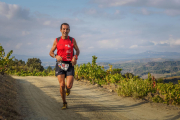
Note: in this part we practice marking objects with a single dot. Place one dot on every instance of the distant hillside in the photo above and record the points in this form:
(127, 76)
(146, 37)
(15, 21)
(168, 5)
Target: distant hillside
(153, 54)
(150, 56)
(145, 60)
(166, 67)
(103, 63)
(159, 67)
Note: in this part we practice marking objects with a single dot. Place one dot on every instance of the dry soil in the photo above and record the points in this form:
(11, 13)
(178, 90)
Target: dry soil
(39, 99)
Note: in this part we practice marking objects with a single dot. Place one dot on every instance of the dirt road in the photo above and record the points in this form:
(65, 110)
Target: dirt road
(39, 99)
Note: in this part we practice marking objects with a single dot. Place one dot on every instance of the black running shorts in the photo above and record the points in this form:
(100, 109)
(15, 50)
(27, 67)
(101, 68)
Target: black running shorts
(70, 70)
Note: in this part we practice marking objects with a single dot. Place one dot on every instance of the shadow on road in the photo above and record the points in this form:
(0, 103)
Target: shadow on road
(174, 118)
(84, 105)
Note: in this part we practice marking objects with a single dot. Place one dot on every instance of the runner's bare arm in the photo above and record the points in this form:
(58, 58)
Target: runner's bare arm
(76, 48)
(74, 61)
(51, 53)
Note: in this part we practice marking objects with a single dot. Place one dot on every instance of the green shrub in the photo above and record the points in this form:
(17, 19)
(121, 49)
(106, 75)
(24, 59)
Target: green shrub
(4, 60)
(160, 80)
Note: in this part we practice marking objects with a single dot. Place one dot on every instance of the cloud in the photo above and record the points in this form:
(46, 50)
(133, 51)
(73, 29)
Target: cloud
(133, 46)
(146, 43)
(18, 45)
(91, 11)
(117, 12)
(91, 47)
(163, 44)
(32, 33)
(93, 29)
(141, 44)
(171, 42)
(13, 11)
(24, 33)
(172, 12)
(112, 3)
(170, 4)
(100, 13)
(48, 46)
(143, 11)
(47, 23)
(113, 44)
(170, 7)
(175, 42)
(86, 35)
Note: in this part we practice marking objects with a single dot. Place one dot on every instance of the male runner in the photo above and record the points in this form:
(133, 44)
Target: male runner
(65, 60)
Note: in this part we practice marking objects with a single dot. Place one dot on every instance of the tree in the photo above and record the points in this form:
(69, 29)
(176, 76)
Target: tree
(49, 69)
(16, 62)
(21, 63)
(35, 63)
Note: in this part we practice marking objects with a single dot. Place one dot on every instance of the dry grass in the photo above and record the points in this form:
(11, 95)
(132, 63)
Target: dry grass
(8, 101)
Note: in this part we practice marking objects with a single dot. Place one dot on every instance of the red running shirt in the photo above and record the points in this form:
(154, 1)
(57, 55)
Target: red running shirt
(65, 48)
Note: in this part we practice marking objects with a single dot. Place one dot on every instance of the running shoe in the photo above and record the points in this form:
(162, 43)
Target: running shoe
(67, 92)
(64, 106)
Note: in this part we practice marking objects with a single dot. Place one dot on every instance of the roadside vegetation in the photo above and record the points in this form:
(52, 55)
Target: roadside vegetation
(14, 66)
(8, 90)
(129, 85)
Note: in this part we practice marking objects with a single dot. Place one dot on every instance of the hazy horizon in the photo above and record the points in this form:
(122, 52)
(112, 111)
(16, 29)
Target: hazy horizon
(111, 59)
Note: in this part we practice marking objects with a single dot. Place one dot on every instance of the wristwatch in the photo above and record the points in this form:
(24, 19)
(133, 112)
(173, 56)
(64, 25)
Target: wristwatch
(55, 55)
(76, 57)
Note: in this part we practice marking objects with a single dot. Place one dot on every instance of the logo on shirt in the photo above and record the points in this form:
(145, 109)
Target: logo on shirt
(68, 45)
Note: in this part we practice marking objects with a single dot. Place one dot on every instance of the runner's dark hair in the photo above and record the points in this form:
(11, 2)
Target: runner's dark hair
(64, 24)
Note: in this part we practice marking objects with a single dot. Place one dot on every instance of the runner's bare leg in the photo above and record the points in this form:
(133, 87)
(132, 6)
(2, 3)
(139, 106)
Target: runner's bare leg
(69, 81)
(61, 79)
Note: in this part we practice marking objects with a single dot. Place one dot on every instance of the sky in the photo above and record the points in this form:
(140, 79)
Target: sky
(100, 27)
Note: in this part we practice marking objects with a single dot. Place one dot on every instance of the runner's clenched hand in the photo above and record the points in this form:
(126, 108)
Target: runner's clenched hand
(59, 58)
(73, 61)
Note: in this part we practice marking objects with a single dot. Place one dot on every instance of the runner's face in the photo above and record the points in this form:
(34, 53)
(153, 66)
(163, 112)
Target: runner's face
(65, 30)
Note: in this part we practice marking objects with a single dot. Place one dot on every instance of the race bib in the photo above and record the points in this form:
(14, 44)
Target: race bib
(63, 66)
